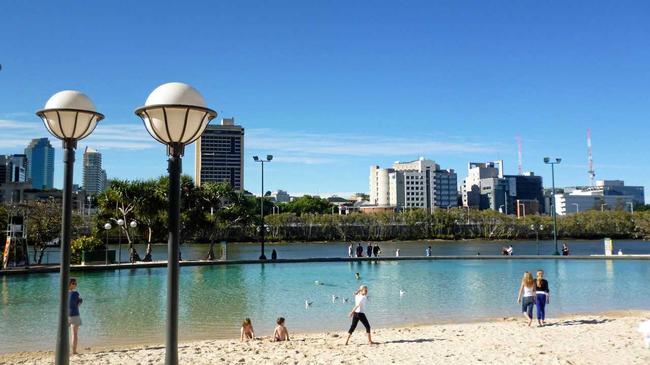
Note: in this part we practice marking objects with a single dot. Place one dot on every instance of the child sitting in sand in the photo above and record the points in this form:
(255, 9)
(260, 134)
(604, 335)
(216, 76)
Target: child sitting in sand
(281, 333)
(247, 331)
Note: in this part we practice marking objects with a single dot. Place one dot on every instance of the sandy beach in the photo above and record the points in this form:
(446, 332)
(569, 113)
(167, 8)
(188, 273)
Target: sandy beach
(607, 338)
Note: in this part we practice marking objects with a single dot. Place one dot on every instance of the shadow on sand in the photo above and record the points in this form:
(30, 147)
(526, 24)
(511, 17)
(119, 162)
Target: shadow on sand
(417, 340)
(578, 322)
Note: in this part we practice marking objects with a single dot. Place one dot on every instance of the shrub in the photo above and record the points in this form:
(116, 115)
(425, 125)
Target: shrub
(83, 243)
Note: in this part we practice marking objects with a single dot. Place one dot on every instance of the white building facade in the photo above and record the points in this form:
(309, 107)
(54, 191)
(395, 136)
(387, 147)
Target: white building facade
(415, 184)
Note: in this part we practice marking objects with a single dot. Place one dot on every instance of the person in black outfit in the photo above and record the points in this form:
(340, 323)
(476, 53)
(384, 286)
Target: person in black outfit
(543, 296)
(375, 250)
(369, 250)
(274, 255)
(565, 249)
(359, 250)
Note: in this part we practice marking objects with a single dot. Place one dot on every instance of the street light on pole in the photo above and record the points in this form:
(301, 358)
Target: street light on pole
(262, 161)
(556, 161)
(577, 207)
(175, 115)
(69, 116)
(602, 207)
(120, 223)
(107, 227)
(631, 206)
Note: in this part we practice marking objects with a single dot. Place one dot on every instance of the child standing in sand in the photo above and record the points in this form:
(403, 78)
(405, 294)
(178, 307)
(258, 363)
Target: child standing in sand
(247, 331)
(74, 318)
(281, 332)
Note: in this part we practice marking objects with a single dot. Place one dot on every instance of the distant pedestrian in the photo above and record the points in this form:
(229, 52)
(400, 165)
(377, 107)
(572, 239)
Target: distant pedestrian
(620, 252)
(427, 252)
(369, 250)
(565, 249)
(509, 250)
(350, 250)
(74, 300)
(274, 255)
(359, 250)
(376, 250)
(358, 313)
(526, 296)
(397, 252)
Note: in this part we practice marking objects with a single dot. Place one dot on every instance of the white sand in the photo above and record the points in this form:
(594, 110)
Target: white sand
(608, 338)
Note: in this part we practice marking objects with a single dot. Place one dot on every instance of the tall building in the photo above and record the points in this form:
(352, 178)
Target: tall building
(471, 190)
(17, 168)
(94, 177)
(3, 169)
(415, 184)
(40, 163)
(220, 154)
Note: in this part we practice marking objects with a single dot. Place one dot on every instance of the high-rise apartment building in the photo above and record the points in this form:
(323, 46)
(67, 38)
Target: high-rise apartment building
(220, 154)
(94, 177)
(3, 169)
(40, 163)
(415, 184)
(17, 168)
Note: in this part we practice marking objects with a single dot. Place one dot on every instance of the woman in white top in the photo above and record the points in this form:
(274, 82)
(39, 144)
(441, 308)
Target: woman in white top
(358, 313)
(527, 289)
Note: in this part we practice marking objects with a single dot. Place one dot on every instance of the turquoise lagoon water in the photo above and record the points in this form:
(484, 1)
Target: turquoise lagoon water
(126, 307)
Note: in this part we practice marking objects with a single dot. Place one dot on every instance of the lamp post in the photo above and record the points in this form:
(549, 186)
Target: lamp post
(631, 206)
(577, 207)
(602, 207)
(69, 116)
(133, 224)
(107, 227)
(120, 223)
(262, 161)
(536, 229)
(174, 114)
(556, 161)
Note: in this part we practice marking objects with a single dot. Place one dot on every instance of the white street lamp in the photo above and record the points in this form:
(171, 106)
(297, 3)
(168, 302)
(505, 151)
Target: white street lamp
(107, 227)
(175, 115)
(69, 116)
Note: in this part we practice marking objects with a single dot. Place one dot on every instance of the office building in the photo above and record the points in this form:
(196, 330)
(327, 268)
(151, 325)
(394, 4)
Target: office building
(471, 189)
(415, 184)
(94, 177)
(280, 196)
(40, 163)
(526, 192)
(17, 168)
(605, 195)
(220, 154)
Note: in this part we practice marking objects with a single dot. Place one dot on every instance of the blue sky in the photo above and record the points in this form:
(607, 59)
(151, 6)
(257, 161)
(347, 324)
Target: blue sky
(332, 87)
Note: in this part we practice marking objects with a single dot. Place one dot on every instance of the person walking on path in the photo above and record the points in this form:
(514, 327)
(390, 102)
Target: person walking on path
(358, 313)
(565, 249)
(359, 250)
(376, 250)
(350, 250)
(74, 317)
(427, 252)
(369, 250)
(526, 296)
(543, 297)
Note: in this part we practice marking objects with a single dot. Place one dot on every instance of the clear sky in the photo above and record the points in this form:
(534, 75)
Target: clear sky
(332, 87)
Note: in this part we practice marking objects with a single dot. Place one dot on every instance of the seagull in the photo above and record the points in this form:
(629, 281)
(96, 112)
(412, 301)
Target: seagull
(317, 282)
(345, 300)
(308, 303)
(334, 298)
(402, 292)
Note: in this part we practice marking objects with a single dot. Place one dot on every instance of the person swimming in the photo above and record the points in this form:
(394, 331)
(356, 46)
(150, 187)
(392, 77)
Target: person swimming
(357, 276)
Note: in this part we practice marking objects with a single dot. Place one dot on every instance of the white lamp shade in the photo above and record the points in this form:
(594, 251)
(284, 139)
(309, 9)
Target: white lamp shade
(120, 222)
(133, 224)
(107, 226)
(175, 113)
(70, 115)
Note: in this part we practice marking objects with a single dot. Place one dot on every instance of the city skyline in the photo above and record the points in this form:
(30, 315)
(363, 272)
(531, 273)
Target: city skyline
(330, 93)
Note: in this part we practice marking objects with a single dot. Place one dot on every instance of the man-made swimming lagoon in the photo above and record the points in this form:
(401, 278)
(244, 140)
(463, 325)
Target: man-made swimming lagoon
(127, 307)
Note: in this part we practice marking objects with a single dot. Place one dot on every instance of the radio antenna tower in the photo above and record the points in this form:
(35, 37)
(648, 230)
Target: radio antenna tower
(591, 172)
(519, 162)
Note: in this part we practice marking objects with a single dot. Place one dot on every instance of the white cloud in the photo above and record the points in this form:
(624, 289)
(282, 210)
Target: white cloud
(315, 148)
(133, 137)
